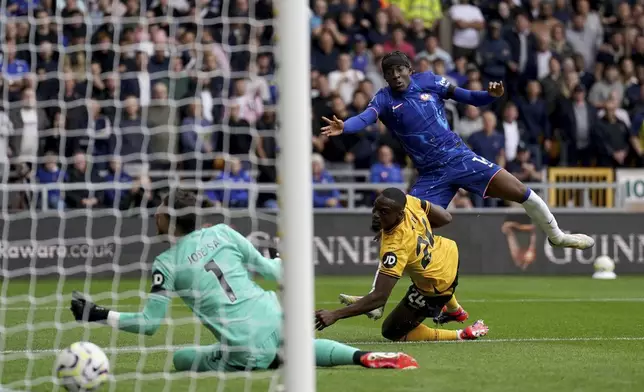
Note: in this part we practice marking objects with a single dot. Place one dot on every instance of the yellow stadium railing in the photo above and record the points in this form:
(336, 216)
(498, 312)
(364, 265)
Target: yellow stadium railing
(561, 196)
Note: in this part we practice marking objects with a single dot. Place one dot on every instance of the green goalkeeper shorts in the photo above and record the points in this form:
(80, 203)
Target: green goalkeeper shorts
(229, 358)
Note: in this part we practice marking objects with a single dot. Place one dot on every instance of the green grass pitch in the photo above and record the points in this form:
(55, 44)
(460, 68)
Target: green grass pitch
(546, 334)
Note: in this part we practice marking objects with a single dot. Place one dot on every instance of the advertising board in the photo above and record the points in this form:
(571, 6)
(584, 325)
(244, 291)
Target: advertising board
(489, 243)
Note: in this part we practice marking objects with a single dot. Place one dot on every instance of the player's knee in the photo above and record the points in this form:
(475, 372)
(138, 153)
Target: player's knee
(507, 187)
(390, 332)
(515, 188)
(183, 360)
(521, 189)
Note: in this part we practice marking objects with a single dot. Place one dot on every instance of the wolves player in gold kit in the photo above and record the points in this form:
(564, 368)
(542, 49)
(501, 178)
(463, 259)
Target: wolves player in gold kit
(408, 245)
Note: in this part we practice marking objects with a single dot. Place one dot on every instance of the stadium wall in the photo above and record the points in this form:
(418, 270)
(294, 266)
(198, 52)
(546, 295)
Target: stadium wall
(343, 243)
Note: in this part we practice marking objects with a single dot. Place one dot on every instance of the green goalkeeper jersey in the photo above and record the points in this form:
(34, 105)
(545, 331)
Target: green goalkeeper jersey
(210, 269)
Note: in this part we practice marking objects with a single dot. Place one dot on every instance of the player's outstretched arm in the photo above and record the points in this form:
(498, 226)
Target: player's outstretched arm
(354, 124)
(146, 322)
(374, 300)
(438, 216)
(477, 98)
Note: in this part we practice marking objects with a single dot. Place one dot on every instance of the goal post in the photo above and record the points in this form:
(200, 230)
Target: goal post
(296, 209)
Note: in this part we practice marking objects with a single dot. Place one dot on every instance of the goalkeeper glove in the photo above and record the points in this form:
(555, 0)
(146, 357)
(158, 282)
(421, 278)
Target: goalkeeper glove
(87, 311)
(273, 253)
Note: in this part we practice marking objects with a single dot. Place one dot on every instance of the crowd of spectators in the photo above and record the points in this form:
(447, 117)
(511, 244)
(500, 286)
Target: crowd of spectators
(573, 72)
(124, 94)
(129, 92)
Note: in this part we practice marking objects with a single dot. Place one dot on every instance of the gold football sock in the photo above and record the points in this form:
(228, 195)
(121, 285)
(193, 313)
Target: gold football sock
(424, 333)
(452, 305)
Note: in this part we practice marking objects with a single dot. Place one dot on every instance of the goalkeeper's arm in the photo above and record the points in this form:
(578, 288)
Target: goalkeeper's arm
(269, 269)
(146, 322)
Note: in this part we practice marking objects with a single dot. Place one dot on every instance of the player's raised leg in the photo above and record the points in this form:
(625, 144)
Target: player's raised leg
(331, 353)
(504, 185)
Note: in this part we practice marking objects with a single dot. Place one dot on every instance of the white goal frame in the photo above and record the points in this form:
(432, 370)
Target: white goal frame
(296, 194)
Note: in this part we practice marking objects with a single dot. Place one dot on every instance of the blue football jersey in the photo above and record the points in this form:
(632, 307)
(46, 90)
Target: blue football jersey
(417, 118)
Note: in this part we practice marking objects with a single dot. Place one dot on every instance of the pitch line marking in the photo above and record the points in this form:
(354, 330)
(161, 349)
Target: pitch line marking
(463, 301)
(150, 349)
(518, 340)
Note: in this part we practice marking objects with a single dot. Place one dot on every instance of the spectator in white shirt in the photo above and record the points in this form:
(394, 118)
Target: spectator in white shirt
(251, 107)
(345, 80)
(593, 20)
(584, 40)
(544, 54)
(143, 78)
(27, 121)
(512, 130)
(468, 23)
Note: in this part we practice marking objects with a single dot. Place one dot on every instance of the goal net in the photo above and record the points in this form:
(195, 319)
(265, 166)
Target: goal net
(107, 106)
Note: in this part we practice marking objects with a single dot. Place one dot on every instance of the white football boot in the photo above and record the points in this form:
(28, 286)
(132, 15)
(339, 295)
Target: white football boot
(576, 241)
(347, 300)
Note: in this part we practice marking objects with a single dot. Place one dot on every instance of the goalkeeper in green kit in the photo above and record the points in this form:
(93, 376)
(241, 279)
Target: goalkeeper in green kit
(210, 269)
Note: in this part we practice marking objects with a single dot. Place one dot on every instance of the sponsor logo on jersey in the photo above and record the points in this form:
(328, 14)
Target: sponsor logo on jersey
(389, 260)
(157, 282)
(157, 278)
(425, 97)
(443, 82)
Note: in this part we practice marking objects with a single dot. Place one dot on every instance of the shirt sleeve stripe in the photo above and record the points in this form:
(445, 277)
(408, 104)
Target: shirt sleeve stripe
(393, 275)
(425, 206)
(374, 109)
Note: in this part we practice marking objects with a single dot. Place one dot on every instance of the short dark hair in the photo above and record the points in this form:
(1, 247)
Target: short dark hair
(509, 105)
(522, 14)
(398, 27)
(396, 195)
(185, 205)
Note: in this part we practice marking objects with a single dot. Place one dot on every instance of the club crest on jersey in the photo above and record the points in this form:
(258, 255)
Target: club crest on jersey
(426, 97)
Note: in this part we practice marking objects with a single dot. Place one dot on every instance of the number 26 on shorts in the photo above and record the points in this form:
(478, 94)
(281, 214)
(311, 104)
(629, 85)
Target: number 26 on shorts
(483, 161)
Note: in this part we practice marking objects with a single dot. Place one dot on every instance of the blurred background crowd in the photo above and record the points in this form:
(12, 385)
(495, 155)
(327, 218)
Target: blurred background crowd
(133, 92)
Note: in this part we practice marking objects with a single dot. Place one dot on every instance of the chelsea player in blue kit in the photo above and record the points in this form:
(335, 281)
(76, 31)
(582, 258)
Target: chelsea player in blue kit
(211, 270)
(412, 108)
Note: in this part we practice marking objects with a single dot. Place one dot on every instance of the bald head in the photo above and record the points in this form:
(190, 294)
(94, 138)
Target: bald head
(395, 195)
(160, 91)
